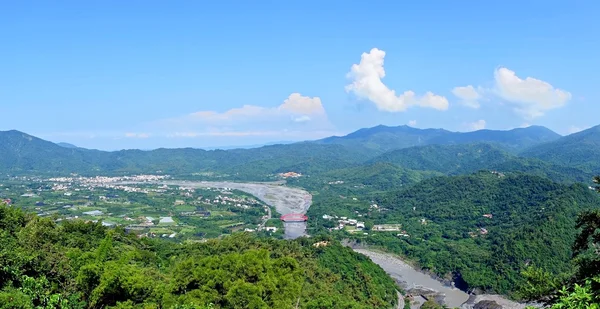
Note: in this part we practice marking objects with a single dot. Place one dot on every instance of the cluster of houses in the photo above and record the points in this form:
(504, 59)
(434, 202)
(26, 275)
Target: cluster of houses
(290, 175)
(343, 221)
(271, 229)
(89, 183)
(232, 201)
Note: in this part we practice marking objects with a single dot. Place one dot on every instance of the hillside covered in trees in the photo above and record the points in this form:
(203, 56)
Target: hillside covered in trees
(85, 265)
(480, 230)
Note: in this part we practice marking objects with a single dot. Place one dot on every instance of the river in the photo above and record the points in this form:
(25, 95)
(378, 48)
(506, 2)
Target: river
(286, 200)
(292, 200)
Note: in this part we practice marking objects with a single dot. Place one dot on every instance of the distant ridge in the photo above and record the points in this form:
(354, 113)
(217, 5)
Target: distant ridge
(66, 145)
(384, 138)
(581, 150)
(21, 153)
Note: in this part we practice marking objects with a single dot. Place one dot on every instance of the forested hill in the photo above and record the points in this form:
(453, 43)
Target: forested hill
(529, 221)
(21, 154)
(25, 154)
(469, 158)
(581, 150)
(383, 138)
(79, 265)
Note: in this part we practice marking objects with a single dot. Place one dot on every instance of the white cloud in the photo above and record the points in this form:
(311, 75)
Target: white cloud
(477, 125)
(295, 113)
(468, 95)
(412, 123)
(137, 135)
(367, 84)
(295, 105)
(302, 119)
(530, 97)
(298, 104)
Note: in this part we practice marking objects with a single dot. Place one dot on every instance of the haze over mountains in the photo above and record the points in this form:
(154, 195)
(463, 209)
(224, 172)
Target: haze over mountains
(535, 150)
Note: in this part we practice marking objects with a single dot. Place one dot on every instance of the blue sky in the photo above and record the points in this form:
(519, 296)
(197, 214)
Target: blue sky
(147, 74)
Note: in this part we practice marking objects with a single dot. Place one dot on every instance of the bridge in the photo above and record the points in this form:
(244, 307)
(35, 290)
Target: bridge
(294, 218)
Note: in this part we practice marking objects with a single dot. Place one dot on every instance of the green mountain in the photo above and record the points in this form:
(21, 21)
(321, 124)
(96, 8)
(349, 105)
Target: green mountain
(379, 176)
(581, 150)
(442, 151)
(21, 153)
(66, 145)
(531, 222)
(81, 265)
(467, 158)
(381, 138)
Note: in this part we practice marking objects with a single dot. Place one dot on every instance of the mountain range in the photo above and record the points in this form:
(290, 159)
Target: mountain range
(534, 149)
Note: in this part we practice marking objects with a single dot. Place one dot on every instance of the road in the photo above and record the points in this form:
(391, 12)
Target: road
(262, 225)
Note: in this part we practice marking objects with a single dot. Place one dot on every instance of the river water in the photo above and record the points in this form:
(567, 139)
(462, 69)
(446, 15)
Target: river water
(400, 270)
(291, 200)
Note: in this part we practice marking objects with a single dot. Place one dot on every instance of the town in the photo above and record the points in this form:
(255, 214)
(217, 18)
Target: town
(142, 205)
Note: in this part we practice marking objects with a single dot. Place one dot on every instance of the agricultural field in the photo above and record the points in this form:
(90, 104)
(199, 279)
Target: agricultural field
(146, 209)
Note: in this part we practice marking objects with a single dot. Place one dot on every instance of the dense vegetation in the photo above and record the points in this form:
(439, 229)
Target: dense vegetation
(532, 223)
(24, 154)
(468, 158)
(85, 265)
(580, 150)
(381, 138)
(522, 247)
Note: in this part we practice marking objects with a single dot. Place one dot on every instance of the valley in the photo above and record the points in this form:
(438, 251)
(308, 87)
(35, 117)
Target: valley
(284, 199)
(481, 211)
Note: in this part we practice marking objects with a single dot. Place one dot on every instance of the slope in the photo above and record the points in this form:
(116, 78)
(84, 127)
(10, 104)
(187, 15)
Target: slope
(581, 150)
(468, 158)
(381, 138)
(24, 154)
(532, 223)
(85, 265)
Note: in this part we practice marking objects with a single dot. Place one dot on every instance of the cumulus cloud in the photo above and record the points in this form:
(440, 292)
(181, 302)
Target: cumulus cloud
(295, 105)
(298, 104)
(468, 96)
(367, 84)
(412, 123)
(296, 113)
(531, 97)
(477, 125)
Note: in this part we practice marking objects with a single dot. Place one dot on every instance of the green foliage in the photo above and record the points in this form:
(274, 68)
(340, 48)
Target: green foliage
(539, 284)
(532, 224)
(24, 154)
(468, 158)
(578, 297)
(85, 265)
(381, 138)
(580, 150)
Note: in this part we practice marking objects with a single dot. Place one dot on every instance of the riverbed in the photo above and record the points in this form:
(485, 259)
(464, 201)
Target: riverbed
(413, 278)
(286, 200)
